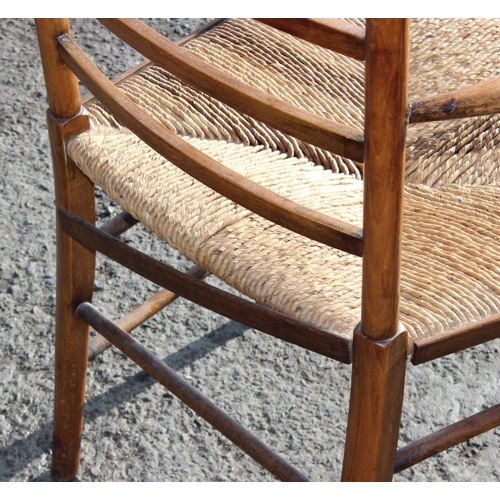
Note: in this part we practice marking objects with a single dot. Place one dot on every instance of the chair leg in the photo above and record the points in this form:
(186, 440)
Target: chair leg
(377, 389)
(75, 283)
(75, 280)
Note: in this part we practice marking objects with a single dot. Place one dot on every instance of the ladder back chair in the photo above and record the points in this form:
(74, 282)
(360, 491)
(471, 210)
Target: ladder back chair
(330, 170)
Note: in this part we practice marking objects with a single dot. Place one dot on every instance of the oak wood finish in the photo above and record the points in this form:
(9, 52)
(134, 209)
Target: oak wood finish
(142, 313)
(380, 344)
(230, 184)
(216, 417)
(75, 283)
(243, 311)
(304, 125)
(377, 386)
(475, 100)
(98, 344)
(334, 34)
(75, 263)
(387, 59)
(456, 340)
(446, 438)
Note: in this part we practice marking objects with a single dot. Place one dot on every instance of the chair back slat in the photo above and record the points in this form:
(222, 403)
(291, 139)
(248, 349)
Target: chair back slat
(334, 34)
(302, 124)
(210, 172)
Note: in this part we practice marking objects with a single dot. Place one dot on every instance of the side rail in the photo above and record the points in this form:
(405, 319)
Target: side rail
(474, 100)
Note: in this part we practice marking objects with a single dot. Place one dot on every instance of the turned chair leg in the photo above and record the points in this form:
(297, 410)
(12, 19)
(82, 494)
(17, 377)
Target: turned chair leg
(377, 388)
(75, 263)
(380, 343)
(75, 280)
(75, 283)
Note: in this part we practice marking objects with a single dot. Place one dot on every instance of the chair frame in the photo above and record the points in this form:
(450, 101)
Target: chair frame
(380, 344)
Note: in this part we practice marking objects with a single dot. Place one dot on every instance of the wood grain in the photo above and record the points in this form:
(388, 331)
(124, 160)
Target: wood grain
(75, 263)
(387, 56)
(334, 34)
(443, 439)
(141, 313)
(475, 100)
(119, 224)
(61, 84)
(207, 410)
(456, 340)
(238, 309)
(377, 387)
(89, 98)
(75, 284)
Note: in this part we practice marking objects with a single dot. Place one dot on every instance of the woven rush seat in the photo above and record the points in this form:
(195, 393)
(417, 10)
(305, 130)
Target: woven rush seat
(460, 151)
(288, 272)
(272, 265)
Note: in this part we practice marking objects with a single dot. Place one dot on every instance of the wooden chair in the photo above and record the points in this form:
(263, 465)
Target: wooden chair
(285, 168)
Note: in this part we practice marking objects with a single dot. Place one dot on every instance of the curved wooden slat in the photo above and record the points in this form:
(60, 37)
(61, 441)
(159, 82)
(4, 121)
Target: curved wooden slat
(143, 64)
(475, 100)
(304, 125)
(213, 174)
(334, 34)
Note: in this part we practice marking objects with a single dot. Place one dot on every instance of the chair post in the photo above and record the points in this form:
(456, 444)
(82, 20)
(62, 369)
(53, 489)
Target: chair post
(75, 263)
(380, 343)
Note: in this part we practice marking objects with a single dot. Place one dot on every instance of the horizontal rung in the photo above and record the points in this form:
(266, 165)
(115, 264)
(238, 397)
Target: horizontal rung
(262, 318)
(456, 340)
(205, 408)
(141, 313)
(119, 224)
(446, 438)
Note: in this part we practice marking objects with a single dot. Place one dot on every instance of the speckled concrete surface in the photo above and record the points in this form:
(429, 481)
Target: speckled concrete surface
(293, 400)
